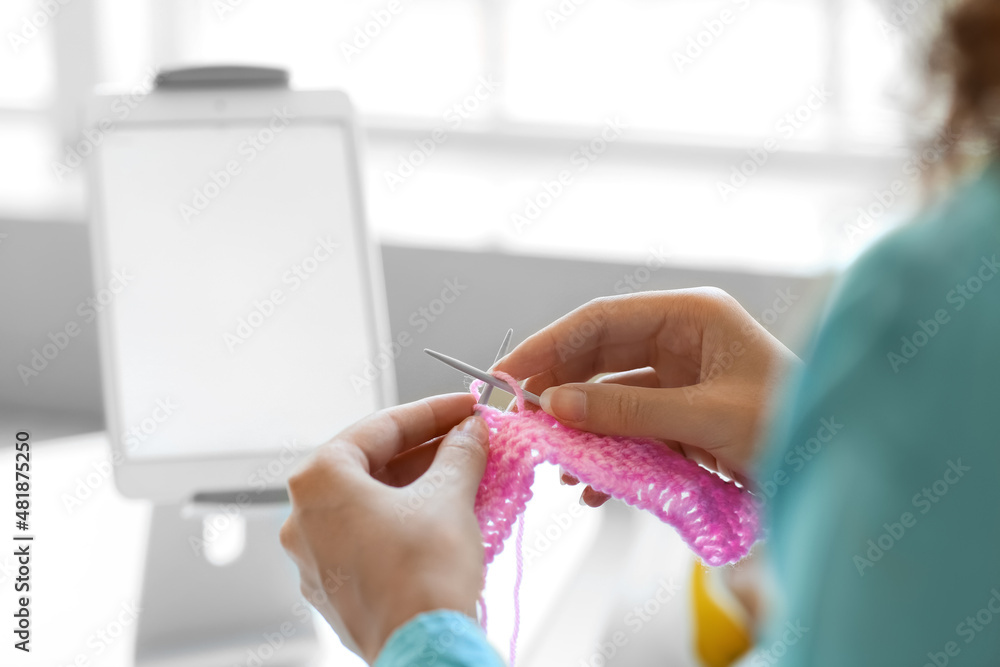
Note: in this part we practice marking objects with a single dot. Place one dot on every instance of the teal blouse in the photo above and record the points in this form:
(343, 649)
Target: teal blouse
(885, 530)
(438, 639)
(881, 479)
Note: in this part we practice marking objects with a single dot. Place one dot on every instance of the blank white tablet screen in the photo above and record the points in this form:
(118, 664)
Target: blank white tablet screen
(244, 323)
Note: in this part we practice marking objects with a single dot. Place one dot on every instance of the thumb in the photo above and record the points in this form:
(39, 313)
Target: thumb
(461, 458)
(633, 412)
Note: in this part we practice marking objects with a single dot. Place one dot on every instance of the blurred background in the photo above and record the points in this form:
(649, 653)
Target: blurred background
(747, 144)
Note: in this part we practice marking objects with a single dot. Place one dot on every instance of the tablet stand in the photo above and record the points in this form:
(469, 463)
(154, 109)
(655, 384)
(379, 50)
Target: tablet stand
(197, 614)
(249, 612)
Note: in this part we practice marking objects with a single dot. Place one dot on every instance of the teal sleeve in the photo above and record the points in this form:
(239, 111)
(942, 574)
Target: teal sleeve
(882, 478)
(441, 639)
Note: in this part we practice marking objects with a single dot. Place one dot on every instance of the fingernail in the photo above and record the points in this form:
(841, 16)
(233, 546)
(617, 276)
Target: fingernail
(565, 403)
(474, 426)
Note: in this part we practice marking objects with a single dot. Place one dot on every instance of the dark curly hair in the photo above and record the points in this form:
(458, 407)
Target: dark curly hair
(965, 60)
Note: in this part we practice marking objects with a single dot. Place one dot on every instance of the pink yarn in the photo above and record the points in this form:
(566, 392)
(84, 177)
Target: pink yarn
(716, 518)
(519, 549)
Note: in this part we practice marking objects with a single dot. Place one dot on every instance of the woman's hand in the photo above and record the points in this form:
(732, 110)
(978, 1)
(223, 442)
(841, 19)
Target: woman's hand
(382, 525)
(689, 367)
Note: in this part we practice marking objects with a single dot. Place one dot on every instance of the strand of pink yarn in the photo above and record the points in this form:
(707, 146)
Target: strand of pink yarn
(519, 551)
(482, 609)
(716, 518)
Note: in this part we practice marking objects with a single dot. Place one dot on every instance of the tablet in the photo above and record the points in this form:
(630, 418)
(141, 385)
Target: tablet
(239, 301)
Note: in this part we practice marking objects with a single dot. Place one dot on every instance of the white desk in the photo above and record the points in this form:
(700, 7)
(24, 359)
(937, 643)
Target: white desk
(87, 566)
(87, 561)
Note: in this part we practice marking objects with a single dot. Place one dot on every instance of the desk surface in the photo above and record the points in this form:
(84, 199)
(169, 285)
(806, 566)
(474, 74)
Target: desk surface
(87, 561)
(90, 542)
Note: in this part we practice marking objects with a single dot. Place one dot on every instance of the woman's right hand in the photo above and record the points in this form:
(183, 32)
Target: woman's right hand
(689, 367)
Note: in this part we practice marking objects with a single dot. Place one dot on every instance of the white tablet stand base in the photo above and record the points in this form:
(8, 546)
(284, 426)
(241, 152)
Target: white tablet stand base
(197, 614)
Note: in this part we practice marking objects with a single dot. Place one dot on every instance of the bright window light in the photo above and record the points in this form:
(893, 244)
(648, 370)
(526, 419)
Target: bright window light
(699, 86)
(26, 57)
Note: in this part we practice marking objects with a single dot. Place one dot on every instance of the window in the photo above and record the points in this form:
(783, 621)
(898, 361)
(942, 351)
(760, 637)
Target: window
(697, 87)
(27, 67)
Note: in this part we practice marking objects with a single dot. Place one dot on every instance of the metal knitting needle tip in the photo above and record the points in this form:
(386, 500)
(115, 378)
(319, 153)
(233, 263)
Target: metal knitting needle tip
(504, 347)
(480, 375)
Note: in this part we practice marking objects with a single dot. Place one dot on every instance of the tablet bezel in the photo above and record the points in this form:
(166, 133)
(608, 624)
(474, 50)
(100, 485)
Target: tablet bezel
(181, 479)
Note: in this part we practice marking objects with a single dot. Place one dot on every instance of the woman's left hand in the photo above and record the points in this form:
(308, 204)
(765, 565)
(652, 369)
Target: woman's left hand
(382, 525)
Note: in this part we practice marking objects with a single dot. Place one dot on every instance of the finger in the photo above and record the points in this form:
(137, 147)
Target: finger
(643, 377)
(611, 409)
(288, 536)
(701, 457)
(593, 498)
(387, 433)
(566, 478)
(673, 370)
(461, 458)
(708, 460)
(607, 330)
(408, 466)
(612, 358)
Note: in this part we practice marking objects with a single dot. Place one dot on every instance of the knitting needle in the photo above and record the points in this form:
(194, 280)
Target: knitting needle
(504, 347)
(480, 375)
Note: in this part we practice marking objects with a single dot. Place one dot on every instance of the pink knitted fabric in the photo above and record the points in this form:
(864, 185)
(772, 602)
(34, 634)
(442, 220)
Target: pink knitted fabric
(716, 518)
